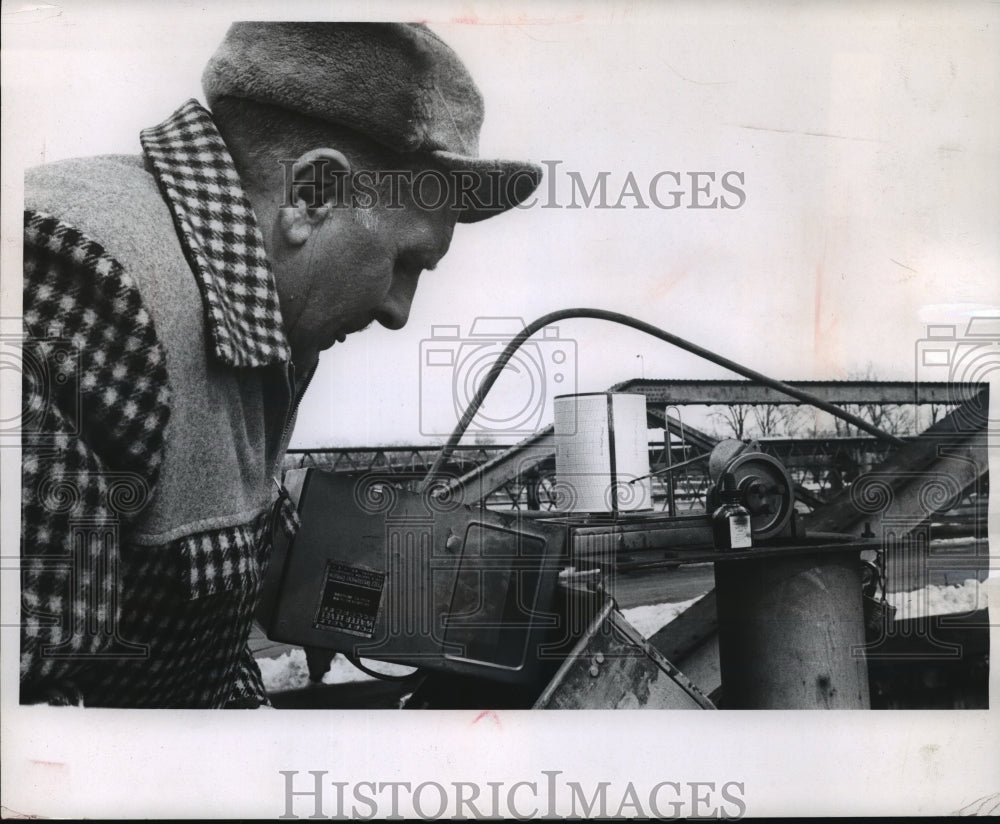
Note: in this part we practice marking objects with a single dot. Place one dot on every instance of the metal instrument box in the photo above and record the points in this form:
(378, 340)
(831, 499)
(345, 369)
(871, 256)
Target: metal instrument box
(379, 572)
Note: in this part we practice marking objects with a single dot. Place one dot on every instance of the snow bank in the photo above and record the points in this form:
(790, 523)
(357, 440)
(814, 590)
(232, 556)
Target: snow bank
(939, 599)
(934, 599)
(290, 672)
(286, 672)
(649, 619)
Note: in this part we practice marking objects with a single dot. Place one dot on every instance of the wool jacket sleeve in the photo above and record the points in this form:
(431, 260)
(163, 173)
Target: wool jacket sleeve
(155, 408)
(95, 407)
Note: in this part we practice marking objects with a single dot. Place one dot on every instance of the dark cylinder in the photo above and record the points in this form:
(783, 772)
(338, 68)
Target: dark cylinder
(791, 632)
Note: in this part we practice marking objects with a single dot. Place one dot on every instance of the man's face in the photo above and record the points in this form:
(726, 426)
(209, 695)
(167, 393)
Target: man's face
(355, 267)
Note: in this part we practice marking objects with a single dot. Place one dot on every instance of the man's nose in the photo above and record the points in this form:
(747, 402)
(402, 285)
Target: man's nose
(394, 310)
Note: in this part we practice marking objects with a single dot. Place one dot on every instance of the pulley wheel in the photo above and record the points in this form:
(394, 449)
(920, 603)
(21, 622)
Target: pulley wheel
(766, 488)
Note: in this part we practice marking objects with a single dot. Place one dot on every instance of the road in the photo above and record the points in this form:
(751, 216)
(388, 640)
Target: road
(653, 585)
(950, 563)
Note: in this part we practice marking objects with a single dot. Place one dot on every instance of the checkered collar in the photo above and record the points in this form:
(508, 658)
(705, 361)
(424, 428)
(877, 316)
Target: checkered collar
(220, 237)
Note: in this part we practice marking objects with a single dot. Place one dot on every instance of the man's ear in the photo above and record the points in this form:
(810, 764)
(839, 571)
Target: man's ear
(314, 184)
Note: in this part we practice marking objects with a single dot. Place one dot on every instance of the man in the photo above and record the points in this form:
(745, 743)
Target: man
(175, 306)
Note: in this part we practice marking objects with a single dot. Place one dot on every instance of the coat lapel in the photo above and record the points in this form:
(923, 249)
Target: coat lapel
(220, 237)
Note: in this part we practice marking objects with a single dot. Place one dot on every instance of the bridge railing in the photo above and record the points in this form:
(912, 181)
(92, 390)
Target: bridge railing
(820, 467)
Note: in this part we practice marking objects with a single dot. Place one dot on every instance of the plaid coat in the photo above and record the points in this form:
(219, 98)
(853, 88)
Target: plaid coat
(158, 397)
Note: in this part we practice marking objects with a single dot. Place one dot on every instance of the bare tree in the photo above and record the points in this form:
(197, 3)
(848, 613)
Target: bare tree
(733, 418)
(744, 420)
(780, 420)
(895, 419)
(936, 411)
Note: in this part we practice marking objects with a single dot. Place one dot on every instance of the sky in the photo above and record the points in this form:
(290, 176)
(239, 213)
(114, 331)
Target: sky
(860, 145)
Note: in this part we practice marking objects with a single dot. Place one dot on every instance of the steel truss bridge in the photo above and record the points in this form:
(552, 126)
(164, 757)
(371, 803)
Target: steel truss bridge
(823, 468)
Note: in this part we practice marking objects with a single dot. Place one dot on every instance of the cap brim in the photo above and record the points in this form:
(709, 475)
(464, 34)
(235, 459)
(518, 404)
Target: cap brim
(486, 188)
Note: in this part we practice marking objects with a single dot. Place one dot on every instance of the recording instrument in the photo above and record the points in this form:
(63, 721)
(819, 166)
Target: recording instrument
(380, 572)
(420, 578)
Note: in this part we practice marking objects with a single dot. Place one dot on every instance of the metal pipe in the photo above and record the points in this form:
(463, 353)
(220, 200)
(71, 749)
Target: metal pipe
(668, 469)
(671, 486)
(791, 632)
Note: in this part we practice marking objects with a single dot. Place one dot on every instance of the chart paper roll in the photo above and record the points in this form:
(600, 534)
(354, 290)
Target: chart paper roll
(601, 453)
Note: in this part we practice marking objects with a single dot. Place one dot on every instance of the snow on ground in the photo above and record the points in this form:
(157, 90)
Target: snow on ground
(939, 599)
(961, 541)
(290, 672)
(286, 672)
(649, 619)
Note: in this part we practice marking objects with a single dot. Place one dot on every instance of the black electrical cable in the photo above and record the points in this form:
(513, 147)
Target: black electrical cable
(626, 320)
